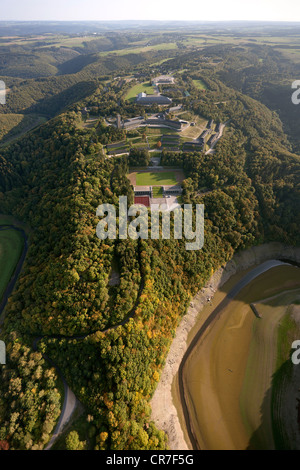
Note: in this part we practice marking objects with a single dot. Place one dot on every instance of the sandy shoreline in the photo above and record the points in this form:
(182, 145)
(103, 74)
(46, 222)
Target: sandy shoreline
(164, 413)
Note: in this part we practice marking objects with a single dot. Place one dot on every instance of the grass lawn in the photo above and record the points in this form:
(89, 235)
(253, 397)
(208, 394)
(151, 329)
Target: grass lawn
(200, 84)
(159, 178)
(153, 141)
(137, 142)
(11, 245)
(159, 62)
(139, 88)
(157, 191)
(192, 132)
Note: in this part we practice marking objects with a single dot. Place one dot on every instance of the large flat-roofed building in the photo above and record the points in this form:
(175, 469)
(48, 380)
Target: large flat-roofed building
(170, 139)
(143, 191)
(213, 140)
(204, 134)
(174, 190)
(193, 146)
(165, 123)
(154, 121)
(133, 122)
(217, 128)
(148, 100)
(171, 142)
(163, 80)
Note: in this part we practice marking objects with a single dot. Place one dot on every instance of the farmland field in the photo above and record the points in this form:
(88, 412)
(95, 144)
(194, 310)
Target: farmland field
(138, 50)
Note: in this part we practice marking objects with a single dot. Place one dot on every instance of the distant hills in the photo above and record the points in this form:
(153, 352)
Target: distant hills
(8, 28)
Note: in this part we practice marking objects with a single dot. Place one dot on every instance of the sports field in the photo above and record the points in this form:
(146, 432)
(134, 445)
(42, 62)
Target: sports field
(155, 179)
(11, 245)
(159, 177)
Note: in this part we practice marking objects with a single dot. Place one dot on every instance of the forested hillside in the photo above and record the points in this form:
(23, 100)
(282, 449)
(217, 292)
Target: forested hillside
(110, 341)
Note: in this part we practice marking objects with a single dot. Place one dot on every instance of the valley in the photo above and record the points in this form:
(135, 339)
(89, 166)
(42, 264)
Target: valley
(196, 115)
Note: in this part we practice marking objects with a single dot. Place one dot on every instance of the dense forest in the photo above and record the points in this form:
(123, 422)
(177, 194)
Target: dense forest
(111, 340)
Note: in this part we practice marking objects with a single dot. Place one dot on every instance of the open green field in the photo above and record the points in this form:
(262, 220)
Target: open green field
(71, 41)
(157, 191)
(192, 132)
(138, 50)
(156, 179)
(139, 88)
(52, 40)
(200, 84)
(210, 39)
(159, 62)
(13, 126)
(11, 245)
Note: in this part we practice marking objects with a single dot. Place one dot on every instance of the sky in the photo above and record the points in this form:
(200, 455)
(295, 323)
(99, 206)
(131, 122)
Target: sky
(199, 10)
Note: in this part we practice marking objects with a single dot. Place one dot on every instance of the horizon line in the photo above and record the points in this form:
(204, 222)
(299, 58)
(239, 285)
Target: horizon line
(149, 21)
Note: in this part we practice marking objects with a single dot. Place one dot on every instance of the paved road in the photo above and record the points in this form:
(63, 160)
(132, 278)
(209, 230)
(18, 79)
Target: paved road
(69, 405)
(218, 310)
(70, 401)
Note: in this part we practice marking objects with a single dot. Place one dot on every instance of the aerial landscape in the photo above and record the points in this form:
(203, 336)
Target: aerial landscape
(149, 229)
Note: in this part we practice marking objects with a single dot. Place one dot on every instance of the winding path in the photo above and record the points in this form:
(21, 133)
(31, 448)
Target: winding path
(70, 400)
